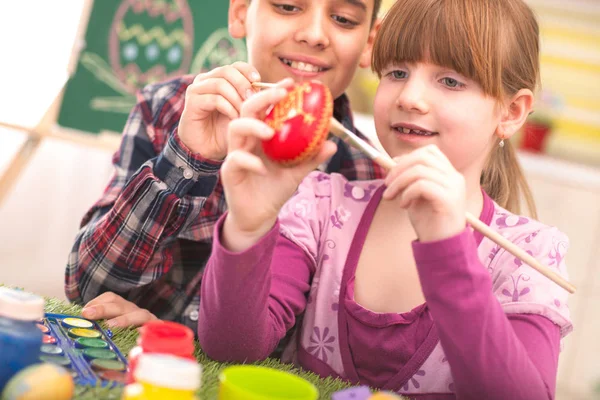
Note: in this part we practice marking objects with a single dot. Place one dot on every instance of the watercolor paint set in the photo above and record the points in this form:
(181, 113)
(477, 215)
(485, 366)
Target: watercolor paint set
(82, 347)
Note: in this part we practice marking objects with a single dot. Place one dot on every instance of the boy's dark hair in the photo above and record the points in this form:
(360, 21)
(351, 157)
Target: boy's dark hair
(376, 7)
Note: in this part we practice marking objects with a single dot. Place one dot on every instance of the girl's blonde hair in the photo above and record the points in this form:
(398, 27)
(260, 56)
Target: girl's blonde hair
(493, 42)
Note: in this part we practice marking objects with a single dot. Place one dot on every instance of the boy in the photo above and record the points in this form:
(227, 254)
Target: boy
(143, 246)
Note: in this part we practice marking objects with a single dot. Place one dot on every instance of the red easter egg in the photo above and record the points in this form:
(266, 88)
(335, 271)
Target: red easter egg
(301, 123)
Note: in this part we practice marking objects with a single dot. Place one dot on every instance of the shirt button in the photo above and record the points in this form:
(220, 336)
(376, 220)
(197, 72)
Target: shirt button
(194, 315)
(188, 174)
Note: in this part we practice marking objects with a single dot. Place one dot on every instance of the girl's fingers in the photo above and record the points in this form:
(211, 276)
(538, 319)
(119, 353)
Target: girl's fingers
(404, 179)
(421, 189)
(239, 161)
(428, 155)
(256, 106)
(245, 133)
(327, 150)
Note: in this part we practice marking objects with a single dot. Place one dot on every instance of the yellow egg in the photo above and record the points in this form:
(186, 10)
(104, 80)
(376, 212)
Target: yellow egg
(40, 382)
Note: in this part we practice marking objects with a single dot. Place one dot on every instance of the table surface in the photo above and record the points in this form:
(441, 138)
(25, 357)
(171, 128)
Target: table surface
(125, 340)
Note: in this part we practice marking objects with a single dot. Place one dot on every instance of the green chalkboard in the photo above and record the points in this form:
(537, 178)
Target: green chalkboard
(131, 43)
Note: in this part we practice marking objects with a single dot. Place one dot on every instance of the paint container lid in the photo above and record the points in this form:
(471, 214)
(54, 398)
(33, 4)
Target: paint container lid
(107, 365)
(84, 342)
(83, 332)
(43, 328)
(77, 323)
(58, 360)
(51, 349)
(168, 371)
(105, 354)
(20, 305)
(252, 382)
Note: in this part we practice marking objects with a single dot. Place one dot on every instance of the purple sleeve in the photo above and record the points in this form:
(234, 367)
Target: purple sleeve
(491, 355)
(250, 299)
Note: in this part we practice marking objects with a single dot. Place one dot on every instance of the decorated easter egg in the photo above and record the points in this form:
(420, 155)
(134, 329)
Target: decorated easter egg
(301, 123)
(40, 382)
(150, 40)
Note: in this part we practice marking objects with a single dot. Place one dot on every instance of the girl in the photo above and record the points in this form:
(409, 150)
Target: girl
(395, 291)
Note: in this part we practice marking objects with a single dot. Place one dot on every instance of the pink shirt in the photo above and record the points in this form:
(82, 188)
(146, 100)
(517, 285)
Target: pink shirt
(490, 327)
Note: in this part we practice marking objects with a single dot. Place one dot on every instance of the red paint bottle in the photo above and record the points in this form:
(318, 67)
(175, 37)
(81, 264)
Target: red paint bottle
(161, 337)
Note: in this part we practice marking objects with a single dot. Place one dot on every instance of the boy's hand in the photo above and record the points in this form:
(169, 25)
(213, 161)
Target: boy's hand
(118, 311)
(434, 193)
(255, 187)
(211, 101)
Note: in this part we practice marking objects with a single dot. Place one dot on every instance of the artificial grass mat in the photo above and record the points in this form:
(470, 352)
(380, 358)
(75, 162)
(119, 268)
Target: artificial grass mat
(125, 340)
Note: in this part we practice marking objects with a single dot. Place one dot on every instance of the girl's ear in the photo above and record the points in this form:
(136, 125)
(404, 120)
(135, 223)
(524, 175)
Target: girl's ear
(515, 113)
(237, 18)
(365, 58)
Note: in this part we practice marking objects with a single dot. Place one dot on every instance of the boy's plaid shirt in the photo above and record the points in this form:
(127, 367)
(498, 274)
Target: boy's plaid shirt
(150, 234)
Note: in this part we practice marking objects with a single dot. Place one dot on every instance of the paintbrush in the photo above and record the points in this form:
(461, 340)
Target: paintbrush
(386, 162)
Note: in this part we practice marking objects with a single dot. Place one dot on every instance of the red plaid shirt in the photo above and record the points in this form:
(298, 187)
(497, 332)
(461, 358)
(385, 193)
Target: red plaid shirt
(150, 234)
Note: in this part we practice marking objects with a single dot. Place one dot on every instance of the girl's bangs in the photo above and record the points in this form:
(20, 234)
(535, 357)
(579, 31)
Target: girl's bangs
(441, 32)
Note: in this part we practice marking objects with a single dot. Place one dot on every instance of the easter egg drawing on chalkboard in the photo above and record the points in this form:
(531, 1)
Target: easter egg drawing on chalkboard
(150, 41)
(217, 50)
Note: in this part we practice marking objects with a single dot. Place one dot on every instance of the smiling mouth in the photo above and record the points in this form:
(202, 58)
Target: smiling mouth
(408, 131)
(302, 66)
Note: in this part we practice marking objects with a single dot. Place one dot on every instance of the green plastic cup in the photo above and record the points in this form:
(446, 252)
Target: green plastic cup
(251, 382)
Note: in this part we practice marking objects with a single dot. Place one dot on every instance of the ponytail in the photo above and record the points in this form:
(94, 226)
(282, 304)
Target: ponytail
(503, 180)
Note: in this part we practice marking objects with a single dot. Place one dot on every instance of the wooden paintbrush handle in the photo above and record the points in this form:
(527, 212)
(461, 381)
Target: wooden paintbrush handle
(386, 162)
(518, 252)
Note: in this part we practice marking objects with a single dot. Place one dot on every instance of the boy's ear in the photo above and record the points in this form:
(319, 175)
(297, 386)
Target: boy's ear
(515, 113)
(365, 58)
(236, 21)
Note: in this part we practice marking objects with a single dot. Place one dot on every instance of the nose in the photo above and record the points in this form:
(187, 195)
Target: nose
(314, 30)
(411, 97)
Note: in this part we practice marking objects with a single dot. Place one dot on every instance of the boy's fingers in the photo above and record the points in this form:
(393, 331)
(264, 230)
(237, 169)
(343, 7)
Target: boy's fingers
(233, 75)
(219, 87)
(108, 310)
(106, 297)
(136, 318)
(247, 70)
(211, 102)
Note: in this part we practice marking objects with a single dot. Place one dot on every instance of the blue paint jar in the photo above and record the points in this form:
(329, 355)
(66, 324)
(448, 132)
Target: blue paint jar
(20, 338)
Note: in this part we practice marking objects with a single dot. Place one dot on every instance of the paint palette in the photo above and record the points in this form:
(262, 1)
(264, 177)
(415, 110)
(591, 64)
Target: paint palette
(82, 347)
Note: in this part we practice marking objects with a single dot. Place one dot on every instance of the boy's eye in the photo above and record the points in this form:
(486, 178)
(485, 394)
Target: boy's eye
(286, 7)
(344, 21)
(452, 83)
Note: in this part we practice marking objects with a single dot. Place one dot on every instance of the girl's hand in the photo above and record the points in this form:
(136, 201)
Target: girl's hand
(211, 101)
(118, 311)
(255, 187)
(427, 185)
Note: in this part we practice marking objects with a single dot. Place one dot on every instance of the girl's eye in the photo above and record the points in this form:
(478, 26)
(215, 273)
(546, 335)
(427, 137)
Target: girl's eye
(398, 74)
(286, 7)
(344, 21)
(452, 83)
